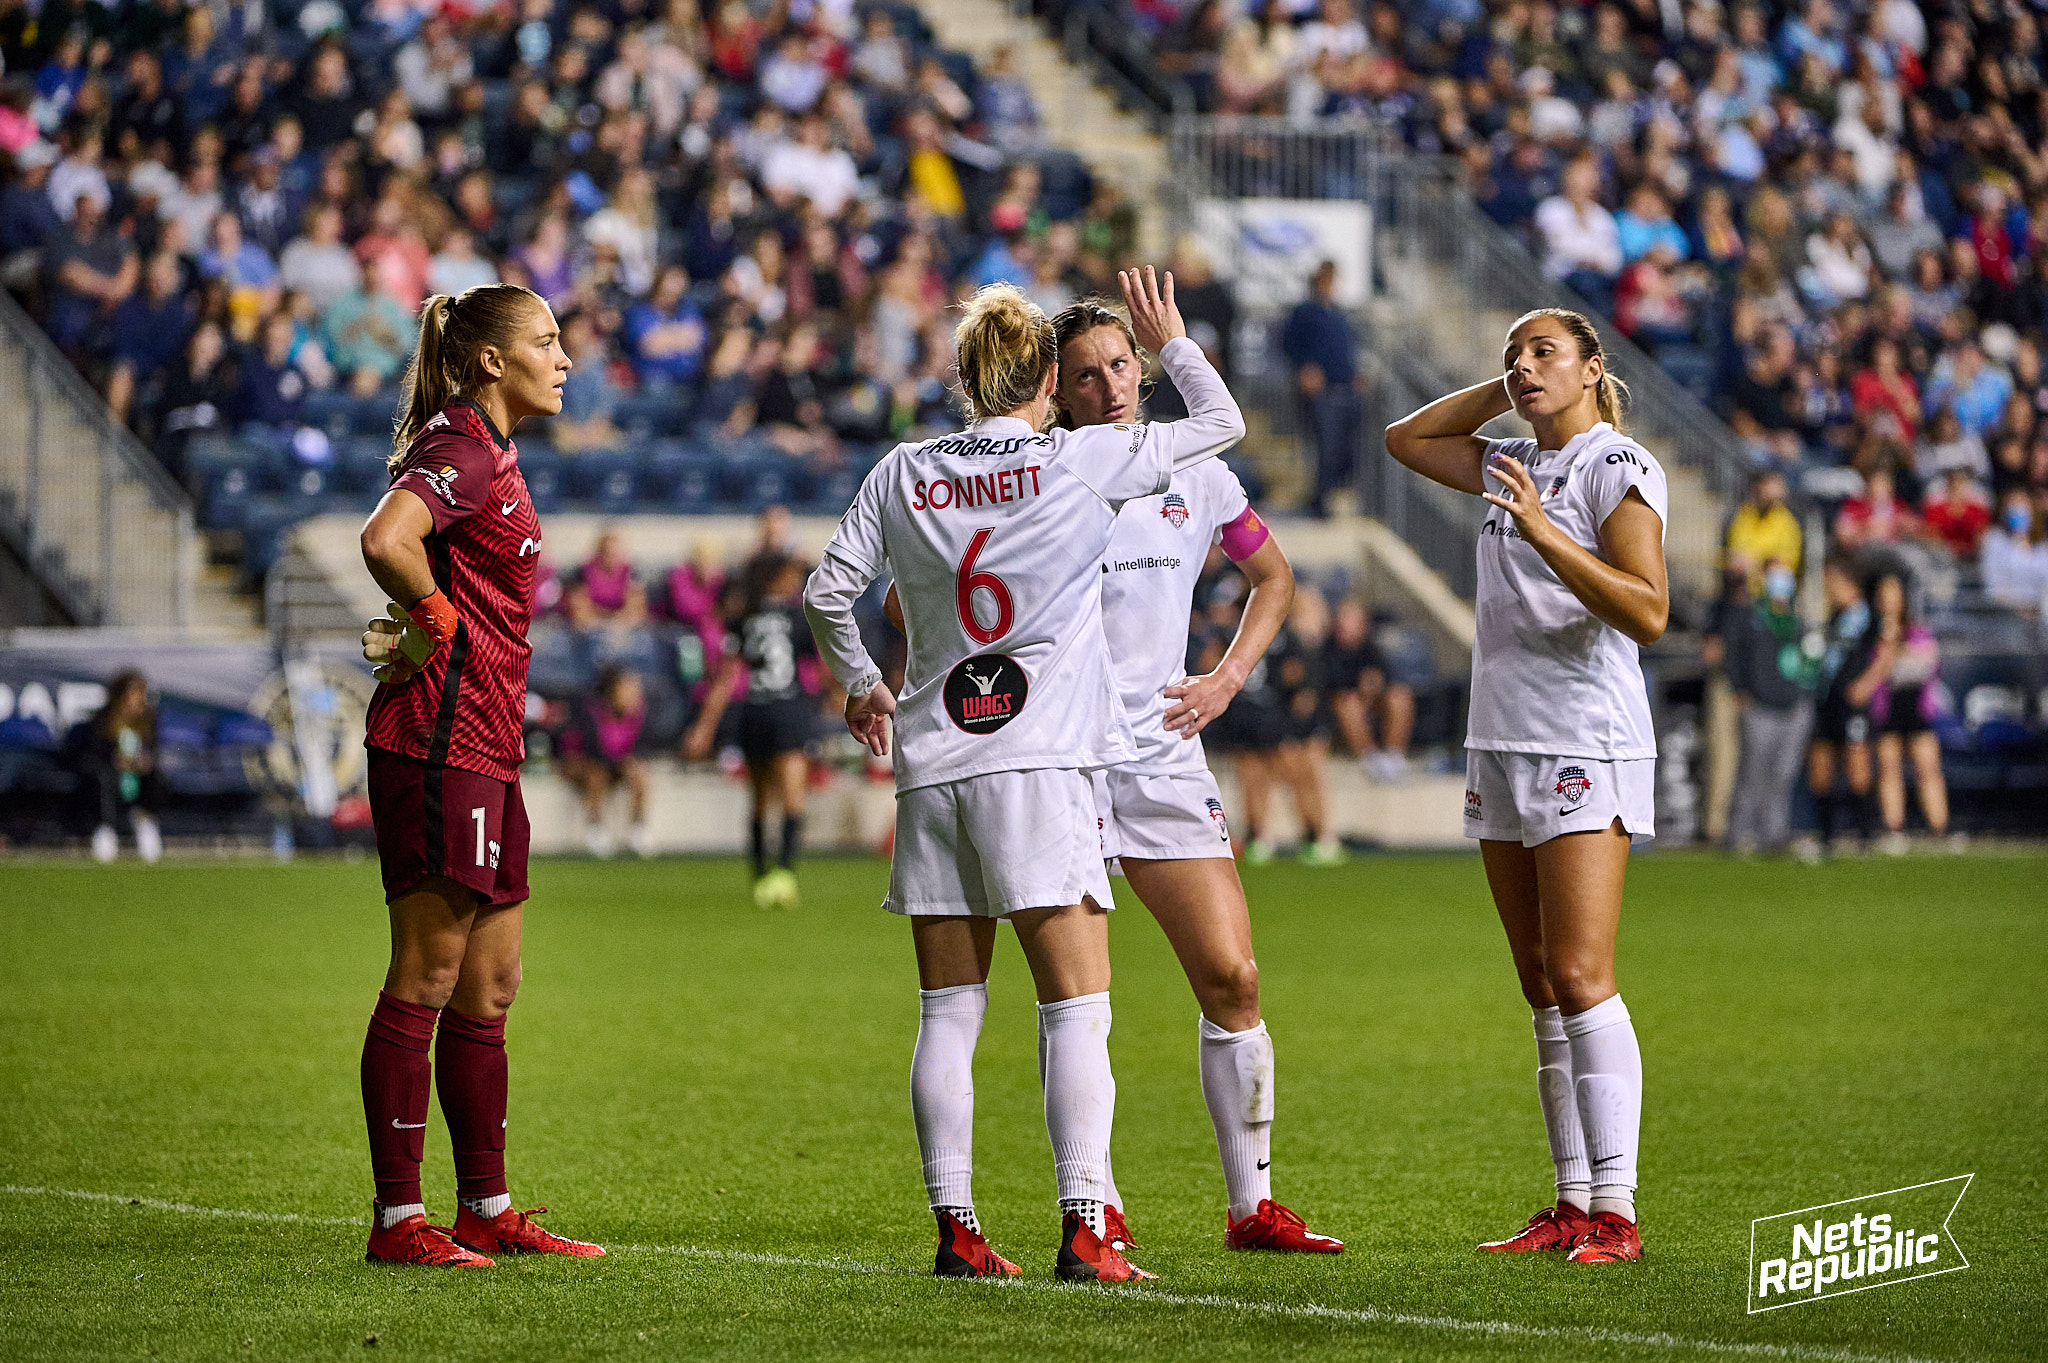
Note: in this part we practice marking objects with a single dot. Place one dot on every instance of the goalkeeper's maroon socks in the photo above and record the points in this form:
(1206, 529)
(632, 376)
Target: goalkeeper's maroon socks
(469, 1072)
(396, 1088)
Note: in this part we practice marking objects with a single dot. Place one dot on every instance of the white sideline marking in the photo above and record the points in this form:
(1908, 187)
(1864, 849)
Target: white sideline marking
(160, 1205)
(1356, 1315)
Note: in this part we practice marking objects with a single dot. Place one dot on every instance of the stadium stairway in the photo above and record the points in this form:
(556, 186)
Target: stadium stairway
(88, 510)
(1074, 112)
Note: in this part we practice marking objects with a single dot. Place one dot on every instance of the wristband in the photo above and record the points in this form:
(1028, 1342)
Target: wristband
(436, 618)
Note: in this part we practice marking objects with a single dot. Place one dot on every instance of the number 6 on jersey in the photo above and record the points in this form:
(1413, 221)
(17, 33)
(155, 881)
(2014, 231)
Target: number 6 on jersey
(970, 580)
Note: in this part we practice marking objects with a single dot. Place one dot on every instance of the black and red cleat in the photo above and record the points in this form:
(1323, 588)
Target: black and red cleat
(1116, 1232)
(1084, 1258)
(1272, 1226)
(513, 1232)
(1611, 1239)
(413, 1241)
(964, 1253)
(1553, 1228)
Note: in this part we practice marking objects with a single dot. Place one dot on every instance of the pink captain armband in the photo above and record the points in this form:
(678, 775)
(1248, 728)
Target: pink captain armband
(1243, 536)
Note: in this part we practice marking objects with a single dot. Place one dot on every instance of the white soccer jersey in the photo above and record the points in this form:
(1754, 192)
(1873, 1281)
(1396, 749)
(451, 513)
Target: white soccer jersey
(1548, 676)
(996, 539)
(1154, 559)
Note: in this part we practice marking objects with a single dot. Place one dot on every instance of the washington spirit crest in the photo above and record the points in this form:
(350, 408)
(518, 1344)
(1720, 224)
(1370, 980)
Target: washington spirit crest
(1175, 509)
(1556, 486)
(1573, 783)
(1216, 817)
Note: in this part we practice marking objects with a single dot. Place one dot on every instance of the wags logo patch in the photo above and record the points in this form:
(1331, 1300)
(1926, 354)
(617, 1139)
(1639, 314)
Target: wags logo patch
(985, 692)
(1216, 817)
(1175, 509)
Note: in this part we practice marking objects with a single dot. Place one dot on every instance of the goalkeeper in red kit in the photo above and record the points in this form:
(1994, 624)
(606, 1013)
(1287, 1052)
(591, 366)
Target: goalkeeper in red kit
(455, 544)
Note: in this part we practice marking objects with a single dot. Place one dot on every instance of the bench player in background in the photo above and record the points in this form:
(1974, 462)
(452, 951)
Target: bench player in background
(455, 544)
(1562, 762)
(769, 650)
(995, 538)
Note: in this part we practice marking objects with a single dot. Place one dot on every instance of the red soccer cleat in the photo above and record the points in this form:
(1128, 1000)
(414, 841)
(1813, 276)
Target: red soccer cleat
(1116, 1233)
(1558, 1227)
(1272, 1226)
(965, 1253)
(1085, 1259)
(512, 1232)
(1612, 1239)
(413, 1241)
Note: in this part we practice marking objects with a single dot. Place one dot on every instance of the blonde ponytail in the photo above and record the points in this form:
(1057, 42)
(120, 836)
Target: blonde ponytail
(1006, 347)
(1612, 399)
(1611, 395)
(443, 368)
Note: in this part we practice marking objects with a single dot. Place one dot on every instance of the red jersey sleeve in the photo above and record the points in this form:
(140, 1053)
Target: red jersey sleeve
(451, 472)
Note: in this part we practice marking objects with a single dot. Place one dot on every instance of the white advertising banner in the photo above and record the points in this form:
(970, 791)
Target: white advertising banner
(1269, 247)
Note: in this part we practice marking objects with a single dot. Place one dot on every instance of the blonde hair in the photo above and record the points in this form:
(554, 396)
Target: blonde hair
(1612, 396)
(1077, 319)
(453, 334)
(1006, 347)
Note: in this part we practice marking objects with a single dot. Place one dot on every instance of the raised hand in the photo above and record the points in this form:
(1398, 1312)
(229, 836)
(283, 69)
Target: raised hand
(1519, 497)
(1154, 318)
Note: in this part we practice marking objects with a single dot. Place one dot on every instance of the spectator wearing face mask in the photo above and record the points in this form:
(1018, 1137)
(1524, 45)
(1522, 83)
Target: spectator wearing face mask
(1772, 673)
(1763, 528)
(2015, 555)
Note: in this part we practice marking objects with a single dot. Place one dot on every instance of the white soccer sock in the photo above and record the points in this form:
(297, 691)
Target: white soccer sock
(1237, 1083)
(1561, 1109)
(1607, 1075)
(487, 1207)
(942, 1091)
(1080, 1099)
(387, 1217)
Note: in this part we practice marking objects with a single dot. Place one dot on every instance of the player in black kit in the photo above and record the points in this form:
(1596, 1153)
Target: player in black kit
(770, 654)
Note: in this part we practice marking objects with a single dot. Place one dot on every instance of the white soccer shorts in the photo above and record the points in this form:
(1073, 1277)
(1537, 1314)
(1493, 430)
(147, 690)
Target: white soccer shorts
(1525, 798)
(995, 845)
(1160, 816)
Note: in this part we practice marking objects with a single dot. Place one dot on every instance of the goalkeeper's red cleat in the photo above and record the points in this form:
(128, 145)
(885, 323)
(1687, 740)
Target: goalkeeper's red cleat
(1272, 1226)
(1611, 1239)
(513, 1232)
(1116, 1232)
(1553, 1228)
(413, 1241)
(964, 1253)
(1085, 1259)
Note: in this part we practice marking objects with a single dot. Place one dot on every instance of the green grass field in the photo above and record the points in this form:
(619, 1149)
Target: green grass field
(721, 1095)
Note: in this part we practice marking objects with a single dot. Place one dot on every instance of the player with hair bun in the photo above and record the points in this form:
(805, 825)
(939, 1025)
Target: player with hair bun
(455, 544)
(1561, 766)
(995, 538)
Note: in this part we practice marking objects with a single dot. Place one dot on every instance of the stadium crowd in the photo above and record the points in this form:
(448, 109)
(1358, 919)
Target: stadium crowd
(1828, 218)
(748, 218)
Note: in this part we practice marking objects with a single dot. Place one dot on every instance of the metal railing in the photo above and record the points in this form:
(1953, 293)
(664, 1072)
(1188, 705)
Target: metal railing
(1100, 42)
(87, 508)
